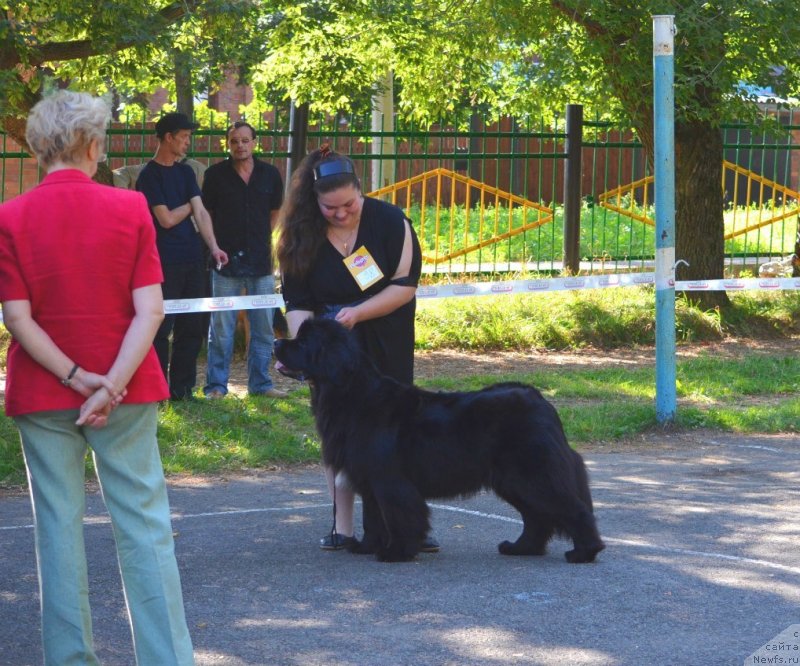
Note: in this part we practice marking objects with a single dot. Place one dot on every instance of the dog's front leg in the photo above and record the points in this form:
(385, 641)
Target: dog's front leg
(404, 518)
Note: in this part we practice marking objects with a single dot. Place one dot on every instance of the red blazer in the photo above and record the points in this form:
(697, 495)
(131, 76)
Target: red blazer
(76, 250)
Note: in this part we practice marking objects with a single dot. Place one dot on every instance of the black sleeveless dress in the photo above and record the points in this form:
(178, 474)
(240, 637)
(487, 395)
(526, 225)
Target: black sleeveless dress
(387, 340)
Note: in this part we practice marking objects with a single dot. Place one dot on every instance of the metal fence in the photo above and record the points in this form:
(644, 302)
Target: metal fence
(489, 197)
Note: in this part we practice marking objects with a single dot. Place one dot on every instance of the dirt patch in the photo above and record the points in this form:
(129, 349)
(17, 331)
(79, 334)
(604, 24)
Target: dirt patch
(454, 363)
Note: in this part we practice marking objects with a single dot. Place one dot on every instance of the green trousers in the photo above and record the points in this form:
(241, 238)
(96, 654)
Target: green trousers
(132, 482)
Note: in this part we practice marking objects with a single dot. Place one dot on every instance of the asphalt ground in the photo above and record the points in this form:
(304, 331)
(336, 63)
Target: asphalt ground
(701, 567)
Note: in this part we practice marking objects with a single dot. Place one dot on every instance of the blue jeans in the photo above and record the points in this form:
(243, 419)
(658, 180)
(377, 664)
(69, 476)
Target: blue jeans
(132, 482)
(221, 333)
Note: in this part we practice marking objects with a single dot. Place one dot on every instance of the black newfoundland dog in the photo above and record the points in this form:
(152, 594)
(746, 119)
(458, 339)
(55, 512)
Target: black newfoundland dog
(400, 445)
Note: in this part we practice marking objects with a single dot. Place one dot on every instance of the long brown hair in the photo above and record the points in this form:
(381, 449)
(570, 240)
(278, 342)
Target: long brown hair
(302, 226)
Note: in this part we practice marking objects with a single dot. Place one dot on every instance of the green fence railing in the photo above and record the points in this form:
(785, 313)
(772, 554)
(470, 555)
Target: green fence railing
(488, 196)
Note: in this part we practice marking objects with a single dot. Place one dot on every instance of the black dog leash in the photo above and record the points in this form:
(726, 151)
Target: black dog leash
(334, 533)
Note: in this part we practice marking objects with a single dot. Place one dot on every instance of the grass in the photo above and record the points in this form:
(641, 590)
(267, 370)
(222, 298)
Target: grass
(605, 404)
(210, 437)
(206, 437)
(754, 394)
(599, 318)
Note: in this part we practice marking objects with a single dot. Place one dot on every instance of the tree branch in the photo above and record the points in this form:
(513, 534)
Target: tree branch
(592, 27)
(84, 48)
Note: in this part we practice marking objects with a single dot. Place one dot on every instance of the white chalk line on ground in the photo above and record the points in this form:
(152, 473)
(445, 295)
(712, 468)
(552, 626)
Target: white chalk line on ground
(638, 544)
(102, 520)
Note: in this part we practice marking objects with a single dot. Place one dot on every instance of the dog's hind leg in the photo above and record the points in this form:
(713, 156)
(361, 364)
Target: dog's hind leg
(561, 514)
(537, 529)
(582, 528)
(539, 526)
(581, 524)
(548, 508)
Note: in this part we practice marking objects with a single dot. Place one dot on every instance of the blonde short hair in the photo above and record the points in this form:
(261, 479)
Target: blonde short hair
(62, 125)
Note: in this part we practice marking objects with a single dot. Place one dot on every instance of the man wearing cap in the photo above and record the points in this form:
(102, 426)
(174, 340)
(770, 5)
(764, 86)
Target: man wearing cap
(175, 202)
(243, 195)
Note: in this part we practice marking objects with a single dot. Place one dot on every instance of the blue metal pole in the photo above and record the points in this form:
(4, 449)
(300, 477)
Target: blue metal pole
(664, 124)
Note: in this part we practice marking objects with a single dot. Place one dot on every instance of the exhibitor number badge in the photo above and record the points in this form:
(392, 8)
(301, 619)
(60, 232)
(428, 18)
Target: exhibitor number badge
(363, 268)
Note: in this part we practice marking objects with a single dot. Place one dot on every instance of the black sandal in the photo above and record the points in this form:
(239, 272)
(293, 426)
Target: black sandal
(335, 541)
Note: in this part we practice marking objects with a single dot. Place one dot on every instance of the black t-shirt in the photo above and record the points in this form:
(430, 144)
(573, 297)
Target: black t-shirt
(241, 212)
(172, 186)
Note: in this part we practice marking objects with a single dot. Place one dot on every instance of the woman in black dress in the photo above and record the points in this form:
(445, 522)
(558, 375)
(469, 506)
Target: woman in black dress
(357, 260)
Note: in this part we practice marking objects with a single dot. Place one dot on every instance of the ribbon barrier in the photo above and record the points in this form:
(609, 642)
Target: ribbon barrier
(760, 284)
(602, 282)
(220, 303)
(529, 286)
(538, 285)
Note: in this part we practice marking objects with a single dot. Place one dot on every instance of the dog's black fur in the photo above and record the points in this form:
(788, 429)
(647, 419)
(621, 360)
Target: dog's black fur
(400, 445)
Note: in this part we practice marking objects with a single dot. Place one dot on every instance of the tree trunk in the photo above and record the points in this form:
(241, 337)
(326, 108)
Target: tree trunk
(184, 91)
(15, 128)
(699, 224)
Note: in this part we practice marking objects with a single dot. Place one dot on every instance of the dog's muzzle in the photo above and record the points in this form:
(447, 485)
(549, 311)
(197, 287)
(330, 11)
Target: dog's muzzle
(288, 372)
(283, 369)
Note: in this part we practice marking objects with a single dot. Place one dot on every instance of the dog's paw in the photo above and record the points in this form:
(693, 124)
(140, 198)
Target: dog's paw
(394, 557)
(511, 548)
(396, 554)
(363, 547)
(583, 555)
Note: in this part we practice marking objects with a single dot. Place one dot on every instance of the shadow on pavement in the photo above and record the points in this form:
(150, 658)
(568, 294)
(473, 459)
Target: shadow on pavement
(702, 567)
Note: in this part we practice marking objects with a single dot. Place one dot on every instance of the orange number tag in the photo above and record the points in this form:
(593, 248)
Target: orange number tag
(363, 268)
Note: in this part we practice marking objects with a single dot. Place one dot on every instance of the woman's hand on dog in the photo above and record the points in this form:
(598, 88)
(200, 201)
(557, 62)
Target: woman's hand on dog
(348, 317)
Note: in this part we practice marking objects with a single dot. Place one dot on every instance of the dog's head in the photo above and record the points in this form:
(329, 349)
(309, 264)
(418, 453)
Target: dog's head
(323, 351)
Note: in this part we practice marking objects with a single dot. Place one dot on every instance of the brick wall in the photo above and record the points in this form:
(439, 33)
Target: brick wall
(229, 96)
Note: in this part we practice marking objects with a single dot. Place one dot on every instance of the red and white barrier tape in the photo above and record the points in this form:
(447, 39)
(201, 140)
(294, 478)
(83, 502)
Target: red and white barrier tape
(532, 286)
(601, 282)
(743, 284)
(221, 303)
(538, 285)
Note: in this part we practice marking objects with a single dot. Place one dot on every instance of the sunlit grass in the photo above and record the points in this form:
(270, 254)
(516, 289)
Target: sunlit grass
(602, 404)
(599, 318)
(236, 433)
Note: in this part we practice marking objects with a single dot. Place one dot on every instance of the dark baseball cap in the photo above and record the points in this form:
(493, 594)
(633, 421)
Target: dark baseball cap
(172, 122)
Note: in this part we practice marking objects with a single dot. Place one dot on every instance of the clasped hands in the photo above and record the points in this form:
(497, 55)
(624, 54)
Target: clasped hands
(102, 397)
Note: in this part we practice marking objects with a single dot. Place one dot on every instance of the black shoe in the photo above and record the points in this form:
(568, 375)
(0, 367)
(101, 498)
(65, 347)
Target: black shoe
(429, 545)
(336, 541)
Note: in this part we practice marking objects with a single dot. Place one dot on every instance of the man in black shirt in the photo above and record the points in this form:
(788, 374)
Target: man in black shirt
(170, 187)
(243, 195)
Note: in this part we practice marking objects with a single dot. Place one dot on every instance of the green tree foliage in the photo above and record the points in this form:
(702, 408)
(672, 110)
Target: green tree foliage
(719, 46)
(125, 46)
(526, 56)
(498, 56)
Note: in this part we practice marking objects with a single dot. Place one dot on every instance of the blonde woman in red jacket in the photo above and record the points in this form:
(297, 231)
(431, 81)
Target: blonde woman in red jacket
(80, 287)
